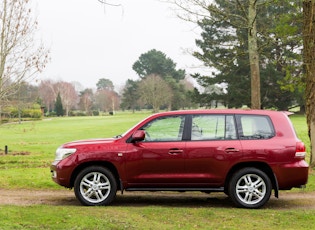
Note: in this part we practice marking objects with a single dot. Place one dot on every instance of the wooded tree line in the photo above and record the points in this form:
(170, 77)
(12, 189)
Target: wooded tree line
(56, 98)
(64, 99)
(160, 86)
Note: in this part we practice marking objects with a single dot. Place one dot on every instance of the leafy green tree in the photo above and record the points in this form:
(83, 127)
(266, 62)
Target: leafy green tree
(224, 47)
(233, 16)
(104, 83)
(281, 47)
(156, 62)
(262, 25)
(58, 106)
(130, 95)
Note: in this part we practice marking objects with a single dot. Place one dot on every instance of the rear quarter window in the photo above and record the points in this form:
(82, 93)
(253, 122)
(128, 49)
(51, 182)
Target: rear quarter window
(253, 127)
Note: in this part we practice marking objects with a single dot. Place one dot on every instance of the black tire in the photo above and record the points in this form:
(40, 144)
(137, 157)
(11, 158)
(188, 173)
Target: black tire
(250, 188)
(95, 186)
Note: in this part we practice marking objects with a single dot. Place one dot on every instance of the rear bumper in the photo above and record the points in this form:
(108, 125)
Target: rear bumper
(292, 175)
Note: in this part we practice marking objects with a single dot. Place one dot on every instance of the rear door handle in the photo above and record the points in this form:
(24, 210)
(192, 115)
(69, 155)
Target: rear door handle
(231, 150)
(175, 151)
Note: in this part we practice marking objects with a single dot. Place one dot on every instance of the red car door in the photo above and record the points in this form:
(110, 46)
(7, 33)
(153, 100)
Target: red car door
(159, 160)
(213, 148)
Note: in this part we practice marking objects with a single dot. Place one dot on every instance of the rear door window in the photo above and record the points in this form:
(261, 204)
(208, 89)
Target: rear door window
(253, 127)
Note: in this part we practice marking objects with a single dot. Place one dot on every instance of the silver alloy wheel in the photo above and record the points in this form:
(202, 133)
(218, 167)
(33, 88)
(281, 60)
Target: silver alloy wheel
(95, 187)
(251, 189)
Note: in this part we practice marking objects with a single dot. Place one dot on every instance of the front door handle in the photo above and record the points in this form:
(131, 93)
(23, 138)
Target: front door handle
(175, 151)
(231, 150)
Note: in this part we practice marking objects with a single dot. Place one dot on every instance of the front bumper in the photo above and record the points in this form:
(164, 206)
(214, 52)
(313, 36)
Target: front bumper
(60, 174)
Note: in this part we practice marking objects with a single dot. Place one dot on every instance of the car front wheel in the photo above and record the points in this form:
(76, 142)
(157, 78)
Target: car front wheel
(95, 186)
(250, 188)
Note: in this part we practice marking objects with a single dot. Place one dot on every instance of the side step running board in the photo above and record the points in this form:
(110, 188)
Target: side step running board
(221, 189)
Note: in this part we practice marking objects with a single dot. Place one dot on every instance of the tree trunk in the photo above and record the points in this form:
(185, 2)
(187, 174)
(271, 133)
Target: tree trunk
(309, 65)
(253, 56)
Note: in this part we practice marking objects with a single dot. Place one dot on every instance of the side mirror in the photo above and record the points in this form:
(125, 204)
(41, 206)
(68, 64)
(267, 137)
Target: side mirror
(139, 135)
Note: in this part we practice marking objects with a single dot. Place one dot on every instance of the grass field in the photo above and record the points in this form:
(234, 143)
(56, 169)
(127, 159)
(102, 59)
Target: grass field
(31, 150)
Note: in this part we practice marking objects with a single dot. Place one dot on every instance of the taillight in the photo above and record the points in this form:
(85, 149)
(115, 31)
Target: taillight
(300, 151)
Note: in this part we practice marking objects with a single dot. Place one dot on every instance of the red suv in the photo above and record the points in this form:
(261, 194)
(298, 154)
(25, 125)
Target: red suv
(244, 153)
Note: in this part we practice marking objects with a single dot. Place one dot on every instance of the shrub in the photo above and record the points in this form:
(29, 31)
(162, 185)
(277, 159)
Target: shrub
(95, 113)
(80, 113)
(13, 112)
(32, 113)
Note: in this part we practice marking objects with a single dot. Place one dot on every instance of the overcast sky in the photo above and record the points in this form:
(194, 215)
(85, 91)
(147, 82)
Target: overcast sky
(89, 41)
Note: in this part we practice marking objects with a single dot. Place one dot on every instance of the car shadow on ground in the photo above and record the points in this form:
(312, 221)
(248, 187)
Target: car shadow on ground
(190, 199)
(171, 200)
(201, 200)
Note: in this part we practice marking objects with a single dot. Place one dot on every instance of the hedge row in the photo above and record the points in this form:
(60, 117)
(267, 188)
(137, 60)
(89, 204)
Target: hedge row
(24, 113)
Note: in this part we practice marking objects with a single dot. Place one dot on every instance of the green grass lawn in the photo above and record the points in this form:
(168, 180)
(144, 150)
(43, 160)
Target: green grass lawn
(31, 150)
(153, 217)
(45, 136)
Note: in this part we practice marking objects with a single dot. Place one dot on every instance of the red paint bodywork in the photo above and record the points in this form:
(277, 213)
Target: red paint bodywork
(186, 163)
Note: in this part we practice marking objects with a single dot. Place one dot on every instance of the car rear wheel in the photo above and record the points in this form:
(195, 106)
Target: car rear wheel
(95, 186)
(250, 188)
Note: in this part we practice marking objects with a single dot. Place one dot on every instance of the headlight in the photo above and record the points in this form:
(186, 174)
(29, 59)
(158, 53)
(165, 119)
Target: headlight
(62, 153)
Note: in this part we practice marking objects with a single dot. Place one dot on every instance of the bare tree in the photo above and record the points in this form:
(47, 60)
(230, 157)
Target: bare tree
(105, 2)
(107, 100)
(48, 91)
(70, 97)
(20, 57)
(155, 91)
(309, 63)
(47, 94)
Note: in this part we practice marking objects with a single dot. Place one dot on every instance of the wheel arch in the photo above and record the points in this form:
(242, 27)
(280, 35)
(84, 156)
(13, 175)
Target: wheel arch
(104, 164)
(259, 165)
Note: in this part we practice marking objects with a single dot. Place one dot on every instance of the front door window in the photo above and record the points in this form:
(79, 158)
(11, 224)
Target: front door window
(165, 129)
